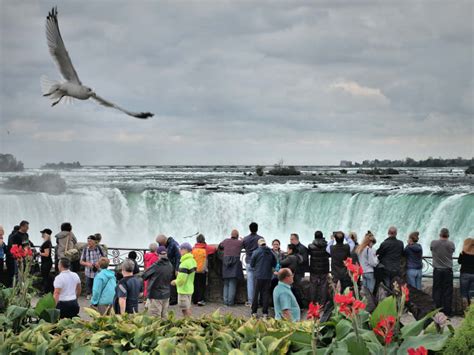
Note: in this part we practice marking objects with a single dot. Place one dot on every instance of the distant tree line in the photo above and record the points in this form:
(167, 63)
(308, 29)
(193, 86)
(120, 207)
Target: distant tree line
(62, 165)
(409, 162)
(9, 163)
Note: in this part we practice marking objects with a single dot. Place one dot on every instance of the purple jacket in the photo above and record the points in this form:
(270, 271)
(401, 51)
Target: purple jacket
(231, 246)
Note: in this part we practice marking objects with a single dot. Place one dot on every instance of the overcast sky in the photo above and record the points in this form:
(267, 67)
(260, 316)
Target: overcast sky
(234, 82)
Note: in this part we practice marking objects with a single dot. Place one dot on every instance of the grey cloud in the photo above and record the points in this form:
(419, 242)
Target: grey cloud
(244, 82)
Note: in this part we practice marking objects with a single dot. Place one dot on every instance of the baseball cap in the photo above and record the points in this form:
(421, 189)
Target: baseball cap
(47, 231)
(261, 241)
(186, 246)
(161, 250)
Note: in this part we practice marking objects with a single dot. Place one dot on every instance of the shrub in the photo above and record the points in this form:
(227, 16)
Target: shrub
(463, 340)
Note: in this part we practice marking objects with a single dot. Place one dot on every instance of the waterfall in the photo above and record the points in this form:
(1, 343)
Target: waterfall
(132, 219)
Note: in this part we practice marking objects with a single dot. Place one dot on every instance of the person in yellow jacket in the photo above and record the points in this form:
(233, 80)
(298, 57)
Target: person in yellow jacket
(185, 280)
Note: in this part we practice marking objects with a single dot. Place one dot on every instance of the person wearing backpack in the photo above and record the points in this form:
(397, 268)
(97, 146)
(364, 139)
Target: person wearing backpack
(103, 291)
(90, 260)
(66, 243)
(200, 253)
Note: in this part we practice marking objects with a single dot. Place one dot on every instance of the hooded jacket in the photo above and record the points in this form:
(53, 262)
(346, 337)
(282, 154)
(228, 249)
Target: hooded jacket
(414, 254)
(319, 257)
(263, 261)
(159, 276)
(61, 240)
(103, 291)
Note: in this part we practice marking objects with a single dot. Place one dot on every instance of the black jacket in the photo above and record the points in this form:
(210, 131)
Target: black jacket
(172, 249)
(319, 258)
(339, 253)
(159, 276)
(303, 266)
(290, 261)
(390, 254)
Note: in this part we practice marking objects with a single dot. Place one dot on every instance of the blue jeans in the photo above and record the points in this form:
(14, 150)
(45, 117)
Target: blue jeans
(230, 286)
(414, 278)
(467, 285)
(250, 283)
(368, 280)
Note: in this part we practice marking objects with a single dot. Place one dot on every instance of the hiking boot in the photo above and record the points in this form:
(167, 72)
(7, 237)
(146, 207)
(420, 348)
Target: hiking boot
(201, 303)
(248, 304)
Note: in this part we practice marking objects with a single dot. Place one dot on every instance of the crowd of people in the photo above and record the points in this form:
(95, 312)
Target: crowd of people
(177, 273)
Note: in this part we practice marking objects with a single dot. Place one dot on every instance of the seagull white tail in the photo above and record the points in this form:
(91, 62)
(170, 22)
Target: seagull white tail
(50, 88)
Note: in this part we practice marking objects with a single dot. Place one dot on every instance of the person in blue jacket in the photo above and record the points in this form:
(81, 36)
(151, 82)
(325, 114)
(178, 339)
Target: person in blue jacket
(263, 261)
(103, 291)
(414, 254)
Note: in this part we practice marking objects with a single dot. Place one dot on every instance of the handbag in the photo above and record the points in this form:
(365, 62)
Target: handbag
(73, 253)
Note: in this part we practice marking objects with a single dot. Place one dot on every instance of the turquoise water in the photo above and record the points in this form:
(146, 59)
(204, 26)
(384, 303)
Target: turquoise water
(130, 206)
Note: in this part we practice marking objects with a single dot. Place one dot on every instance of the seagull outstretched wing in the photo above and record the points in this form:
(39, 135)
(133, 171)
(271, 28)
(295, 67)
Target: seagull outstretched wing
(142, 115)
(57, 48)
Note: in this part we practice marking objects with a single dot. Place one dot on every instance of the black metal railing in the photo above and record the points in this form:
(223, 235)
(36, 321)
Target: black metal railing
(118, 255)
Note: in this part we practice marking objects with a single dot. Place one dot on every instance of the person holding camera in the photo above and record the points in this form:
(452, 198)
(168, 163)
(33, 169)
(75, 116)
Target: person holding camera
(90, 260)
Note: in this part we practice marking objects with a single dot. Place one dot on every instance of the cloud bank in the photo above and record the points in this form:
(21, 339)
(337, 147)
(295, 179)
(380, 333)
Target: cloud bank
(243, 82)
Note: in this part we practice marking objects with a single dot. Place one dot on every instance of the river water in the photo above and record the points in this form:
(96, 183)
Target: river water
(131, 205)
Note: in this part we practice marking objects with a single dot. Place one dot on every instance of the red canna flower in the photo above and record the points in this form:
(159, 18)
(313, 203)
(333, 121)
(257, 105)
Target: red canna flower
(385, 328)
(348, 304)
(17, 252)
(28, 252)
(418, 351)
(406, 292)
(354, 269)
(314, 311)
(358, 305)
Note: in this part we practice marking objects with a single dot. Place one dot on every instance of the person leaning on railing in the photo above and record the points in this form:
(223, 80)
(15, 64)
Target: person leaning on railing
(414, 254)
(442, 251)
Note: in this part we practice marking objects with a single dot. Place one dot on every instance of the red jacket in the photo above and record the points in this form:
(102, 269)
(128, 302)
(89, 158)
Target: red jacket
(149, 259)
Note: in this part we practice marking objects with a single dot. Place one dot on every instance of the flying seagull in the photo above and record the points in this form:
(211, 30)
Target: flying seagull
(72, 87)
